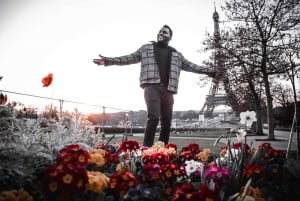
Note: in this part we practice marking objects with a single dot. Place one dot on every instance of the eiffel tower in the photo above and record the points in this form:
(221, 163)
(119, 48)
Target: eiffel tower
(217, 93)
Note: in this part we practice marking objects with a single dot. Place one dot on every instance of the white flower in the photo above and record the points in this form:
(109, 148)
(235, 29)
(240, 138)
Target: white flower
(192, 166)
(240, 134)
(247, 118)
(234, 152)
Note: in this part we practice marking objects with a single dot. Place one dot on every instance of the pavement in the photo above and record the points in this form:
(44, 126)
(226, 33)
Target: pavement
(281, 141)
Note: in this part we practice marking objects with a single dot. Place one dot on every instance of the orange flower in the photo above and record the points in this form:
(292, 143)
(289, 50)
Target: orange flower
(97, 157)
(97, 182)
(14, 195)
(203, 155)
(47, 80)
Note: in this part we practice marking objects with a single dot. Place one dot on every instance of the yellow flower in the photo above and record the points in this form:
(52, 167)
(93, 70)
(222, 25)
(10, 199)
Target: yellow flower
(24, 195)
(121, 167)
(203, 155)
(97, 157)
(97, 182)
(14, 195)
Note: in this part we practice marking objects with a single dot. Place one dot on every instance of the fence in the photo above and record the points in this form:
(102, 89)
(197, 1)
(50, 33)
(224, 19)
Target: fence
(62, 101)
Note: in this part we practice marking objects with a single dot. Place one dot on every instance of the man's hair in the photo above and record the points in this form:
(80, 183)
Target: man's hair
(171, 32)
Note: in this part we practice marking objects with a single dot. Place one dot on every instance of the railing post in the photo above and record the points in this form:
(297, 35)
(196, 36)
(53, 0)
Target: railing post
(131, 121)
(103, 123)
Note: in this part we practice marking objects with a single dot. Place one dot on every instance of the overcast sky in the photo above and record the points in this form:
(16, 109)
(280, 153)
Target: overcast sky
(62, 37)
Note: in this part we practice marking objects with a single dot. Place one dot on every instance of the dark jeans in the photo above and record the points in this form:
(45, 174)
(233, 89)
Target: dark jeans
(159, 102)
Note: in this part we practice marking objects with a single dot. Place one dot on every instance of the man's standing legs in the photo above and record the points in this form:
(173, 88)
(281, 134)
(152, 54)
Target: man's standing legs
(167, 102)
(152, 99)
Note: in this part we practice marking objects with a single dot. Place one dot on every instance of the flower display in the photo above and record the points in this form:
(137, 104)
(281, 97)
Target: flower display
(128, 171)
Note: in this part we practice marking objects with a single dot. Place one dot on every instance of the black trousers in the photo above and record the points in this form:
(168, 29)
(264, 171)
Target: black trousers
(159, 102)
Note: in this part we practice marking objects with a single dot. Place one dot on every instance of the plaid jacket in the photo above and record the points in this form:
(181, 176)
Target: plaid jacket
(149, 73)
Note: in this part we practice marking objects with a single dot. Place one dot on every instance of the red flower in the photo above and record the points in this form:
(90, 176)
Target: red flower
(73, 154)
(186, 193)
(239, 146)
(264, 145)
(47, 80)
(220, 175)
(187, 156)
(3, 98)
(156, 158)
(121, 182)
(207, 194)
(274, 153)
(129, 145)
(111, 158)
(70, 179)
(170, 172)
(150, 173)
(171, 145)
(252, 169)
(194, 148)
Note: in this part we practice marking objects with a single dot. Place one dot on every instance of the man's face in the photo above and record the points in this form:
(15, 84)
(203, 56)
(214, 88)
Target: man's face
(164, 35)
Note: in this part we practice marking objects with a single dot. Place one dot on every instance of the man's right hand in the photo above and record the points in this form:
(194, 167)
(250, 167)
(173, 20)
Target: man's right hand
(100, 61)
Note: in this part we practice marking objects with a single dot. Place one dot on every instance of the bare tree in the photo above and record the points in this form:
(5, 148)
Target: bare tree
(282, 94)
(259, 26)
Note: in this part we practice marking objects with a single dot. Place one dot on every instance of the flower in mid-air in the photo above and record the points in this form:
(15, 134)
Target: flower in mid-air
(3, 98)
(47, 80)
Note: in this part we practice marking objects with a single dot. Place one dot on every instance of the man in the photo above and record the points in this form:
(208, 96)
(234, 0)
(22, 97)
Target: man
(160, 69)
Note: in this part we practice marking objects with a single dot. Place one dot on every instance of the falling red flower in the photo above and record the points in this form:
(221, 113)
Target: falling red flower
(47, 80)
(3, 98)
